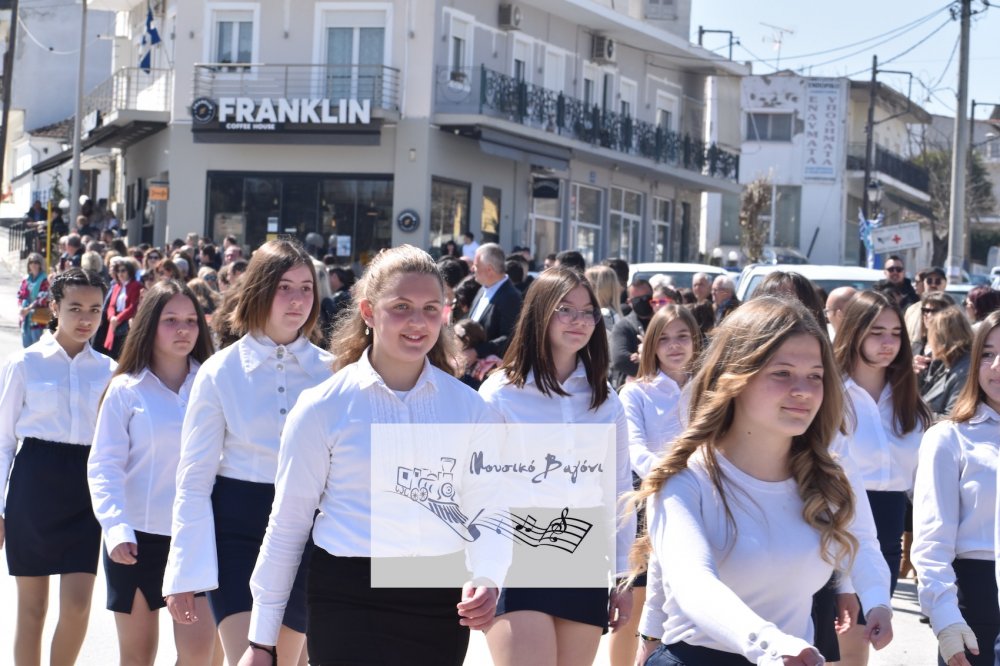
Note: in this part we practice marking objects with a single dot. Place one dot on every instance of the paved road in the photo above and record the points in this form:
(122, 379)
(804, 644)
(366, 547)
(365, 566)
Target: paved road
(914, 644)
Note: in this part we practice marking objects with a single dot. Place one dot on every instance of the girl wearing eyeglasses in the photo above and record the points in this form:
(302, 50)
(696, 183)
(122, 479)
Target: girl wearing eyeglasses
(556, 371)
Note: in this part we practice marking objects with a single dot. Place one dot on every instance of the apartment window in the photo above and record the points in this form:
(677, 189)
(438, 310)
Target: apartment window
(769, 127)
(662, 217)
(627, 91)
(355, 54)
(546, 216)
(993, 149)
(233, 37)
(590, 74)
(522, 60)
(460, 49)
(729, 227)
(625, 218)
(555, 70)
(666, 111)
(585, 221)
(660, 9)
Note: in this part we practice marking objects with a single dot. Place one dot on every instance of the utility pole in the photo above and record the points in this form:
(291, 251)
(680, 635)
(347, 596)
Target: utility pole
(74, 196)
(8, 73)
(959, 155)
(869, 149)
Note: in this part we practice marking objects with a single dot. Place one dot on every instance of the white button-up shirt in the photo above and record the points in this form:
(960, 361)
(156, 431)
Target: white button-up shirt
(326, 462)
(883, 459)
(954, 508)
(48, 395)
(653, 410)
(132, 470)
(529, 405)
(238, 406)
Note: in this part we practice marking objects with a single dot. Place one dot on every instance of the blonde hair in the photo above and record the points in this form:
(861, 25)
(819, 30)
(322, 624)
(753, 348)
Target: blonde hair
(951, 332)
(972, 393)
(608, 290)
(740, 348)
(351, 336)
(649, 364)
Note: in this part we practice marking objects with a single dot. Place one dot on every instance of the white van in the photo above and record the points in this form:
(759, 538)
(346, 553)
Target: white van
(827, 277)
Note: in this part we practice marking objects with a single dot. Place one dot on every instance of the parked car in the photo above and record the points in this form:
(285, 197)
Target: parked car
(827, 277)
(679, 273)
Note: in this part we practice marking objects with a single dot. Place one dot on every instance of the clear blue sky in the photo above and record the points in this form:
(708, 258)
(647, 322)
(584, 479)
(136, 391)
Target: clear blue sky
(819, 26)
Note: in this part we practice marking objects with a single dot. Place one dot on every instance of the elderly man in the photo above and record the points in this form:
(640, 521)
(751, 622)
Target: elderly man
(723, 297)
(835, 304)
(496, 305)
(701, 286)
(232, 253)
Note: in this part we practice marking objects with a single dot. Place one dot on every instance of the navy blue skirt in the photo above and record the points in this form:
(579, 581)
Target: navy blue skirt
(682, 654)
(588, 605)
(241, 510)
(977, 600)
(50, 523)
(146, 575)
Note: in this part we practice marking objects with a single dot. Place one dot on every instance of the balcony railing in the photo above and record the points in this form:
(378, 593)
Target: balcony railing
(486, 92)
(890, 164)
(377, 83)
(131, 89)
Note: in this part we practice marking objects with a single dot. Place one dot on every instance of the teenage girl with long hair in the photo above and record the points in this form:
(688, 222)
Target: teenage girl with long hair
(556, 371)
(133, 469)
(393, 366)
(653, 406)
(229, 448)
(751, 486)
(954, 510)
(886, 421)
(49, 394)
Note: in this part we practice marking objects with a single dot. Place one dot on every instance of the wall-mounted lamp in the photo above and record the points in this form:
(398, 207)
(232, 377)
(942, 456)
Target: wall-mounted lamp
(413, 154)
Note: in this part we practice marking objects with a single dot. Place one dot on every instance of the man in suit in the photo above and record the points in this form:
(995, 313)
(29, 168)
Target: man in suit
(497, 304)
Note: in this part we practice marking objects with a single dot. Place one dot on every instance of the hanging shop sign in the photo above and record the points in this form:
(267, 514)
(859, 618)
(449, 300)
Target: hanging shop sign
(246, 114)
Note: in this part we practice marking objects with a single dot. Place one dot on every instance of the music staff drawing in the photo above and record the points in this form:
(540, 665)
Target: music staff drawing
(565, 532)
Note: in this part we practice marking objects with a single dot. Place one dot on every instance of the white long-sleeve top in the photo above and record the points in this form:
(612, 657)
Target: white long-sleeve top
(132, 470)
(748, 593)
(653, 412)
(326, 462)
(529, 405)
(884, 460)
(232, 427)
(48, 395)
(954, 504)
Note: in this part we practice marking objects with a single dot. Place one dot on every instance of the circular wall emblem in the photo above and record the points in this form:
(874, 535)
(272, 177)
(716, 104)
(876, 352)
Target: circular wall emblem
(408, 220)
(203, 110)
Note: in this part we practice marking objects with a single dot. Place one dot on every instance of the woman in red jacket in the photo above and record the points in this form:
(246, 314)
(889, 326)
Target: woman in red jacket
(122, 304)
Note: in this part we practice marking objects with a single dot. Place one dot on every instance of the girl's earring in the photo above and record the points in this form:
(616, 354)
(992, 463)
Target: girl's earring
(367, 331)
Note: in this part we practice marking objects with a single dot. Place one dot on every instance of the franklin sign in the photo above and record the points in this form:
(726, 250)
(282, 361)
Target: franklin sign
(245, 113)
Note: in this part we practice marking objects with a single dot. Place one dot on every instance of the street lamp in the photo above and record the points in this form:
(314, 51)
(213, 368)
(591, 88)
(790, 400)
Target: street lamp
(874, 197)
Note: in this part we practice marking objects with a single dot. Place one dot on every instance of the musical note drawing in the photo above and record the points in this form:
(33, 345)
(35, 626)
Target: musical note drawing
(565, 532)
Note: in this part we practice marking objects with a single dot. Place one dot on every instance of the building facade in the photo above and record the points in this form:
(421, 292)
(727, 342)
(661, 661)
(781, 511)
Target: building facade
(807, 136)
(551, 124)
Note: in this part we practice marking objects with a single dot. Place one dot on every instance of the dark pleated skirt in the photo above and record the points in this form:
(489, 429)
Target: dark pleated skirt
(353, 624)
(50, 523)
(241, 511)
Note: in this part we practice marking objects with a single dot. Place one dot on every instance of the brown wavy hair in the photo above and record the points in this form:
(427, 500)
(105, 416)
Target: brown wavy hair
(530, 350)
(649, 365)
(860, 313)
(740, 348)
(351, 337)
(972, 394)
(952, 334)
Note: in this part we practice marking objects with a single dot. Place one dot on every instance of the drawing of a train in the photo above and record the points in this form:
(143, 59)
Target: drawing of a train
(420, 483)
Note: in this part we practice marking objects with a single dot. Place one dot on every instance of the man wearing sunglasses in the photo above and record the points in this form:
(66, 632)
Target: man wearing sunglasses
(895, 275)
(934, 279)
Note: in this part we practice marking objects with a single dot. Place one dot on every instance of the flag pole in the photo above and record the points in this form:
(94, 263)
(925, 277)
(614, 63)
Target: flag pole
(74, 197)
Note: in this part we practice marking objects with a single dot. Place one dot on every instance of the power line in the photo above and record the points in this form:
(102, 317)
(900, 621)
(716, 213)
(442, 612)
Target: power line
(869, 48)
(903, 53)
(954, 49)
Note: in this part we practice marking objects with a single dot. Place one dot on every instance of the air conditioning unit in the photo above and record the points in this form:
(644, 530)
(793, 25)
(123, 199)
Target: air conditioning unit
(603, 50)
(510, 17)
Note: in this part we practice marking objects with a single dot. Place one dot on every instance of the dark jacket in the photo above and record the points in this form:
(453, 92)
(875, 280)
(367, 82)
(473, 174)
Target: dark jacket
(624, 343)
(498, 319)
(940, 385)
(905, 287)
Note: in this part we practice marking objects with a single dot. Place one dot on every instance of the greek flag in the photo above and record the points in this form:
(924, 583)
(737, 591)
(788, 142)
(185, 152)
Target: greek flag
(149, 39)
(865, 228)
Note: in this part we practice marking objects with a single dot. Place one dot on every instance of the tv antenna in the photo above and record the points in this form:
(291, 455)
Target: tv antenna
(777, 38)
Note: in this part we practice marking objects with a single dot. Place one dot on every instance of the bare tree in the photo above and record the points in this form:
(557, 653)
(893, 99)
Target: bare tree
(754, 226)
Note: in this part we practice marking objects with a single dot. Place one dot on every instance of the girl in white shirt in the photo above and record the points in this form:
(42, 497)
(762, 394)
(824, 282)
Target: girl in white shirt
(752, 492)
(886, 419)
(395, 367)
(133, 469)
(653, 405)
(49, 395)
(954, 511)
(229, 447)
(556, 371)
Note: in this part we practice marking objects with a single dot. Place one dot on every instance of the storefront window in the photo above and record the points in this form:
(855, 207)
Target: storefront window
(546, 217)
(490, 223)
(662, 217)
(623, 224)
(449, 211)
(585, 217)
